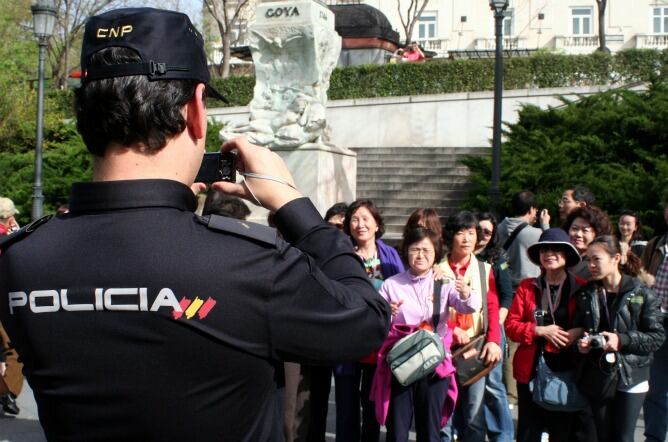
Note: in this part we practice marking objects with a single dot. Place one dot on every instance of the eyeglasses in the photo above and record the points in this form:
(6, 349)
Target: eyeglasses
(417, 251)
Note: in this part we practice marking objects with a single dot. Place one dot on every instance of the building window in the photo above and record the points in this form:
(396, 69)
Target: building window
(582, 21)
(660, 17)
(427, 26)
(508, 23)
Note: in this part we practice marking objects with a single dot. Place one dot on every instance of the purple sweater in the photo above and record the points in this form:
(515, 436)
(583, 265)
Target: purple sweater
(416, 294)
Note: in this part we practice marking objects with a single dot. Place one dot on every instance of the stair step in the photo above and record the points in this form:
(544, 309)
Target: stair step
(389, 187)
(424, 150)
(408, 160)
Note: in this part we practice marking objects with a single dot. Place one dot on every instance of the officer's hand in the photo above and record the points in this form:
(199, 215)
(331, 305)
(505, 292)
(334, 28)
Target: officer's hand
(270, 194)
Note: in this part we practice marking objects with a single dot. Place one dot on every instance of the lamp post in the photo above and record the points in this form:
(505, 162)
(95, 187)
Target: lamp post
(44, 16)
(498, 6)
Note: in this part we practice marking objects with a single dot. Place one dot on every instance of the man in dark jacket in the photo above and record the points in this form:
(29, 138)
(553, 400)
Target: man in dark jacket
(138, 320)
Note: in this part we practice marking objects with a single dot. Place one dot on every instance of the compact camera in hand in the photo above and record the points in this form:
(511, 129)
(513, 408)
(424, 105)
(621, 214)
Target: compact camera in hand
(217, 166)
(543, 318)
(597, 341)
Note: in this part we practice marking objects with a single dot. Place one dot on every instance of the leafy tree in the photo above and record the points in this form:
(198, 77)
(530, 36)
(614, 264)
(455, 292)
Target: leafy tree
(613, 142)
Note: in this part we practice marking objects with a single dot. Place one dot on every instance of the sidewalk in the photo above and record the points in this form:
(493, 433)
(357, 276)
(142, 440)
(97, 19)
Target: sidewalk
(24, 427)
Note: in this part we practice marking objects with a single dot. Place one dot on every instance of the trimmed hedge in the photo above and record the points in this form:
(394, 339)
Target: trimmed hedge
(541, 70)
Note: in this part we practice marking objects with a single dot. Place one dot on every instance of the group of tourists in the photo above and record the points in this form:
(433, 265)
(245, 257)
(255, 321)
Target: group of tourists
(576, 301)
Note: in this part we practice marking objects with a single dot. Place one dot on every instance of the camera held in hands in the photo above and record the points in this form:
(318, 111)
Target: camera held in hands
(597, 341)
(217, 166)
(543, 318)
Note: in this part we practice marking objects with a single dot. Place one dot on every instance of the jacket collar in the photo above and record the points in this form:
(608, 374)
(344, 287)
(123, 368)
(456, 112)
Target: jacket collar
(573, 286)
(131, 194)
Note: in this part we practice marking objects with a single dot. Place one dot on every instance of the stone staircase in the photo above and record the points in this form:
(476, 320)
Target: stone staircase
(401, 179)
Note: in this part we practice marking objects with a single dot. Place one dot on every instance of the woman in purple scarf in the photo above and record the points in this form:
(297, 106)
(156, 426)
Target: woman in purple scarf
(365, 226)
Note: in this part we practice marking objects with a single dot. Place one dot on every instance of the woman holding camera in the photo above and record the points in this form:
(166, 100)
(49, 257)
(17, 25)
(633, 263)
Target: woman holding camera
(621, 318)
(411, 298)
(541, 320)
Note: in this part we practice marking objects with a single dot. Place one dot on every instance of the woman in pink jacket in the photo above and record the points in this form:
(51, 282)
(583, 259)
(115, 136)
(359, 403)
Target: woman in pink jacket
(411, 297)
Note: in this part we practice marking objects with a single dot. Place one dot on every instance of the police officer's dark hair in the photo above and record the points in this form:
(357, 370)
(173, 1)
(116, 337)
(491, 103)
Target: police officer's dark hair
(130, 110)
(597, 218)
(336, 209)
(218, 203)
(582, 194)
(462, 221)
(371, 207)
(416, 235)
(522, 202)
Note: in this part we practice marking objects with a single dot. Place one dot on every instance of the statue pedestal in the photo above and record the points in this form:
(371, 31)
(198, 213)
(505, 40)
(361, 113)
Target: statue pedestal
(325, 174)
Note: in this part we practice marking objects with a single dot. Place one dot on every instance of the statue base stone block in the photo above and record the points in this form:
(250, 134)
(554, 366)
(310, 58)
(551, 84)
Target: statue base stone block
(325, 174)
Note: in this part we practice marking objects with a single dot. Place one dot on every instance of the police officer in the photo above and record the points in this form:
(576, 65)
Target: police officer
(137, 319)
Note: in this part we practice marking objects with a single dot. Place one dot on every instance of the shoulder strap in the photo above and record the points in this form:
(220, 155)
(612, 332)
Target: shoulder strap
(483, 286)
(436, 314)
(238, 227)
(26, 230)
(511, 238)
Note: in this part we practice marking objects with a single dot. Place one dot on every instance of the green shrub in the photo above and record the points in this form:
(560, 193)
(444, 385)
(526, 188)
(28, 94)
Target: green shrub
(541, 70)
(613, 142)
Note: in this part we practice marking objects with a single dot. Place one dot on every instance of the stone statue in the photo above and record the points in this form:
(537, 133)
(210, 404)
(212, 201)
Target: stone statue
(295, 49)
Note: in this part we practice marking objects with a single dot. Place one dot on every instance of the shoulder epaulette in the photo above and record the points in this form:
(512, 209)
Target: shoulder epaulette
(23, 232)
(238, 227)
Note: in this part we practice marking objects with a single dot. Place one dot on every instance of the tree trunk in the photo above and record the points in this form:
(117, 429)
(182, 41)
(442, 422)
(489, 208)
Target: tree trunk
(602, 4)
(226, 56)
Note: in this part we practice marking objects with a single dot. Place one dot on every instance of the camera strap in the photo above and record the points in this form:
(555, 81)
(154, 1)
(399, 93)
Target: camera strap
(551, 305)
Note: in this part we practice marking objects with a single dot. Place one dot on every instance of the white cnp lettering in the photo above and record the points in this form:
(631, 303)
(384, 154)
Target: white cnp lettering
(48, 295)
(116, 32)
(288, 11)
(17, 299)
(48, 301)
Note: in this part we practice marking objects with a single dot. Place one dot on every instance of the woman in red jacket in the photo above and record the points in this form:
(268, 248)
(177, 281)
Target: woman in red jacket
(541, 316)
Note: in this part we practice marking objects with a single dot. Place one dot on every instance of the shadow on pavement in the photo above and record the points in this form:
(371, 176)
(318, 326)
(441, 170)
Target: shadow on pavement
(20, 430)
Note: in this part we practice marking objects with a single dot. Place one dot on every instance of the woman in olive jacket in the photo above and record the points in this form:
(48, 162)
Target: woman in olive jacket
(624, 314)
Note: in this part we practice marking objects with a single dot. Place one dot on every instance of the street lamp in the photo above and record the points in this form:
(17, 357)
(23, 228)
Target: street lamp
(498, 6)
(44, 14)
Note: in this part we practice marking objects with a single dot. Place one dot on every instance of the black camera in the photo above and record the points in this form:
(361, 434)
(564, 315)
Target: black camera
(217, 166)
(543, 318)
(597, 341)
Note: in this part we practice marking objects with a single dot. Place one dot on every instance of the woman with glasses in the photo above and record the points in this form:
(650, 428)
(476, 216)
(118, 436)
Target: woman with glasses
(583, 225)
(541, 320)
(499, 421)
(411, 297)
(365, 226)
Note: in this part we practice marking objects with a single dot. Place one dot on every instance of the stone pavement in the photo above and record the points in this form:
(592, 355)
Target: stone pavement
(25, 427)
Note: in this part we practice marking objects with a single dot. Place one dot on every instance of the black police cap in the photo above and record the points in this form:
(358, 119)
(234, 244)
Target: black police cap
(167, 42)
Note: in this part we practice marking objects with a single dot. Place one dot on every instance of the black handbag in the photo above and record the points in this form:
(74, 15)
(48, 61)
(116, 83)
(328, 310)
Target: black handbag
(470, 367)
(596, 378)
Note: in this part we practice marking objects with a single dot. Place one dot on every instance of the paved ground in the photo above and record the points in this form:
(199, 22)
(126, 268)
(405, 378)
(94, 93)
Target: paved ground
(25, 427)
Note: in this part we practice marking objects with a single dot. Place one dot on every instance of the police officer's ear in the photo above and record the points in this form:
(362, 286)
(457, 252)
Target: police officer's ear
(195, 114)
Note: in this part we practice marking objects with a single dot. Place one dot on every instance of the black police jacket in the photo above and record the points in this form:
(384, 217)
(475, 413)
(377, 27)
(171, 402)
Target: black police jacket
(138, 320)
(635, 315)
